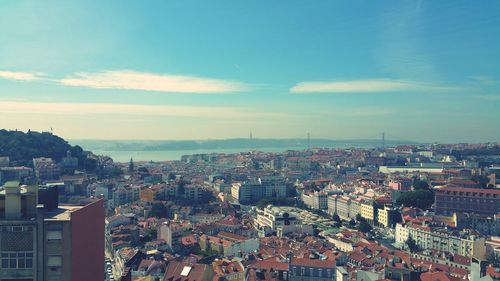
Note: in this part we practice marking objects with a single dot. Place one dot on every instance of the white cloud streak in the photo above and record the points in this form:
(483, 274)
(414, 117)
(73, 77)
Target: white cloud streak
(20, 76)
(65, 108)
(354, 112)
(365, 86)
(132, 80)
(489, 97)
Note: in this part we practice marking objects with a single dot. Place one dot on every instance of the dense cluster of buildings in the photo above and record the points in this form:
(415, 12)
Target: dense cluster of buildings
(416, 212)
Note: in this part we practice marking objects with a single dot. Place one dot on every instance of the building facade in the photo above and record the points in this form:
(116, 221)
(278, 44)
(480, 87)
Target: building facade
(271, 218)
(467, 200)
(253, 191)
(388, 216)
(431, 238)
(305, 269)
(316, 200)
(49, 241)
(368, 211)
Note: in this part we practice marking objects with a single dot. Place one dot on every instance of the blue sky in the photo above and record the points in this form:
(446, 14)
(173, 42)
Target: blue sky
(417, 70)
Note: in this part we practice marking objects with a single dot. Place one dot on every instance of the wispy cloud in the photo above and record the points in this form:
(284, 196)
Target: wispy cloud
(355, 112)
(489, 97)
(65, 108)
(485, 80)
(22, 76)
(400, 44)
(365, 86)
(132, 80)
(367, 112)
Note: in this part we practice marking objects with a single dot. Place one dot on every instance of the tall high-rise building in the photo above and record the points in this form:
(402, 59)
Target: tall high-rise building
(48, 241)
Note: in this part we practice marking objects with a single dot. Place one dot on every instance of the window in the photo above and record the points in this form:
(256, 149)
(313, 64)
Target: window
(29, 260)
(54, 261)
(54, 235)
(21, 261)
(17, 228)
(5, 260)
(12, 260)
(17, 260)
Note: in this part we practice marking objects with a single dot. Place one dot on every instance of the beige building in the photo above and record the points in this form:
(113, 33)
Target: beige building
(316, 200)
(441, 239)
(46, 169)
(388, 216)
(229, 244)
(345, 207)
(368, 211)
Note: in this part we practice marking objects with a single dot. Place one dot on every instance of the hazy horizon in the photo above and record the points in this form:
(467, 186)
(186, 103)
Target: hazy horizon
(158, 150)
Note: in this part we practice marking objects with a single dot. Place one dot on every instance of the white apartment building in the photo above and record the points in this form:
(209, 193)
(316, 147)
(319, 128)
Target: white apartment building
(271, 218)
(316, 200)
(440, 239)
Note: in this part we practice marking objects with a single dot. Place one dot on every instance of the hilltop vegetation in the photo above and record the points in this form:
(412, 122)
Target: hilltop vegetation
(23, 147)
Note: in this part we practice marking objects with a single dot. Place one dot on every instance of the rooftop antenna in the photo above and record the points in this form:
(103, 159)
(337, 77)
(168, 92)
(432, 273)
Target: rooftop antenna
(383, 140)
(251, 136)
(308, 141)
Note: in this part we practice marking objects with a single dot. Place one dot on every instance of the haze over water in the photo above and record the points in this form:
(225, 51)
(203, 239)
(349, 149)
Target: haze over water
(122, 151)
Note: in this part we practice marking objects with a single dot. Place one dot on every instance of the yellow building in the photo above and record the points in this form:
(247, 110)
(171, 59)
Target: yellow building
(388, 216)
(368, 211)
(383, 217)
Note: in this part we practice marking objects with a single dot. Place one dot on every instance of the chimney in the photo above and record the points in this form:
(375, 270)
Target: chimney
(12, 200)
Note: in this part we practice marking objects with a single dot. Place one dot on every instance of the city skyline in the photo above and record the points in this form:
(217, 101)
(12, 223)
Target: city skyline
(421, 71)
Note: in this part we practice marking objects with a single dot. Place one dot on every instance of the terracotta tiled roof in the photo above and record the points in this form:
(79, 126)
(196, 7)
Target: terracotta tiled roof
(493, 272)
(437, 276)
(312, 262)
(470, 190)
(461, 259)
(231, 236)
(269, 263)
(224, 267)
(175, 268)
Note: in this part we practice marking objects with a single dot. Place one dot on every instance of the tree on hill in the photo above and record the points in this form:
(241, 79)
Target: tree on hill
(418, 198)
(494, 259)
(336, 218)
(131, 165)
(158, 210)
(23, 147)
(420, 184)
(412, 245)
(364, 226)
(359, 217)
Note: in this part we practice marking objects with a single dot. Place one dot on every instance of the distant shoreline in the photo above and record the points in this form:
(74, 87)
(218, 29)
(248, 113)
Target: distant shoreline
(122, 151)
(157, 145)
